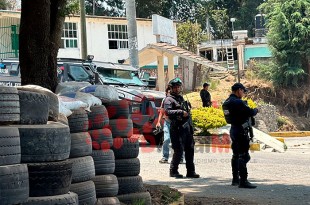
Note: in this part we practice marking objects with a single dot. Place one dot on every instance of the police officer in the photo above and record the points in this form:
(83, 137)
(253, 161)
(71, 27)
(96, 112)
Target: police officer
(181, 132)
(205, 95)
(237, 113)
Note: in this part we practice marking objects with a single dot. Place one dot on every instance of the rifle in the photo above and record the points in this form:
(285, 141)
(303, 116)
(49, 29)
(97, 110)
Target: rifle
(189, 123)
(248, 125)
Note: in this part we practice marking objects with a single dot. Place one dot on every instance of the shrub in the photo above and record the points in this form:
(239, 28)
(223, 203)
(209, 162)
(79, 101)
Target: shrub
(207, 118)
(251, 103)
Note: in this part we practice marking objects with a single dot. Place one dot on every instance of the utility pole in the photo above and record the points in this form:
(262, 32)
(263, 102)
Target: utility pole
(94, 7)
(132, 33)
(83, 30)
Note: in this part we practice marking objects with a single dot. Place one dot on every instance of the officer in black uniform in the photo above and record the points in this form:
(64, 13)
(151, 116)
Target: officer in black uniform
(181, 131)
(205, 96)
(237, 113)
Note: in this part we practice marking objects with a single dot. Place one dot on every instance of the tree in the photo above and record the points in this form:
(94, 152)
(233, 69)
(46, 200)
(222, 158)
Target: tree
(189, 36)
(3, 4)
(105, 7)
(146, 8)
(288, 36)
(40, 32)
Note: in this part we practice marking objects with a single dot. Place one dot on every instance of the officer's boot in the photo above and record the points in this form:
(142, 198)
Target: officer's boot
(192, 174)
(244, 183)
(235, 171)
(175, 174)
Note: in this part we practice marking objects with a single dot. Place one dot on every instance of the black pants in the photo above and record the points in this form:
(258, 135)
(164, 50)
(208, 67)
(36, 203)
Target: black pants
(240, 147)
(181, 139)
(206, 104)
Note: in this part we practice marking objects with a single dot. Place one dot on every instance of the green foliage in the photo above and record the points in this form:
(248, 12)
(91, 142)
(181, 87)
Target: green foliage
(261, 70)
(3, 4)
(220, 21)
(289, 31)
(105, 7)
(189, 35)
(281, 121)
(72, 7)
(145, 8)
(207, 118)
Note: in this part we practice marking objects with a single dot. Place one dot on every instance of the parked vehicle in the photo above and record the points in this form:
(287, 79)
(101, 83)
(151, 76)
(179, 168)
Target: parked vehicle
(143, 103)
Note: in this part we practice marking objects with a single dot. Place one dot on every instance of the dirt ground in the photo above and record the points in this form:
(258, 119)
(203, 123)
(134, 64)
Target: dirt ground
(163, 194)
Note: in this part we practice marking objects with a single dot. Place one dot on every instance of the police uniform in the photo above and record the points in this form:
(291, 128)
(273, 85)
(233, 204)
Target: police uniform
(205, 96)
(181, 136)
(237, 113)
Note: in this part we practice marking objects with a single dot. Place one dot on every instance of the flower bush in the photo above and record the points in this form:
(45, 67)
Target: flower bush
(251, 103)
(207, 118)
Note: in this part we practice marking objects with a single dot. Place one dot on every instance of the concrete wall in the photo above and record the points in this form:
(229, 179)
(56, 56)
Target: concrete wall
(259, 51)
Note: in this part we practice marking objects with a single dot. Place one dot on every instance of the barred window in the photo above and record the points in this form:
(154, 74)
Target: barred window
(69, 36)
(118, 36)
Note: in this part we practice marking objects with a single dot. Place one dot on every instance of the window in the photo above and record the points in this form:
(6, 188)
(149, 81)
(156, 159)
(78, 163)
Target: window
(118, 36)
(69, 36)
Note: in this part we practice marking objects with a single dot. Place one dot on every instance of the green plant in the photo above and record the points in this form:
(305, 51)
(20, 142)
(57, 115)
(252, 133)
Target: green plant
(281, 121)
(207, 118)
(168, 196)
(138, 202)
(214, 84)
(251, 103)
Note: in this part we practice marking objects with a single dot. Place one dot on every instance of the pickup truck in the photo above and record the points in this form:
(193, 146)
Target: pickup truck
(143, 103)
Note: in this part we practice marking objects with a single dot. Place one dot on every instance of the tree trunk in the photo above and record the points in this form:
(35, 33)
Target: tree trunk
(40, 32)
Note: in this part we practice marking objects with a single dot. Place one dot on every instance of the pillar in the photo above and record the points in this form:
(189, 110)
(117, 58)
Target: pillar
(170, 67)
(160, 73)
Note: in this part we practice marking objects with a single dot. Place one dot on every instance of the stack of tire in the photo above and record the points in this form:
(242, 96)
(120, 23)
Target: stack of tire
(14, 181)
(105, 181)
(126, 151)
(45, 147)
(83, 168)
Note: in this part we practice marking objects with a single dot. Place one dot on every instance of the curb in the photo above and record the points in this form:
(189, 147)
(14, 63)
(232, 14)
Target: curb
(253, 146)
(290, 134)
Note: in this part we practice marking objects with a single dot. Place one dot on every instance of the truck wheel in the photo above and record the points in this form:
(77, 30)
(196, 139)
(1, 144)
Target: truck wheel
(125, 148)
(127, 167)
(86, 192)
(101, 139)
(118, 109)
(78, 121)
(44, 143)
(9, 146)
(49, 179)
(33, 108)
(121, 128)
(65, 199)
(104, 161)
(9, 105)
(98, 118)
(131, 184)
(81, 144)
(140, 197)
(14, 184)
(83, 169)
(106, 185)
(108, 201)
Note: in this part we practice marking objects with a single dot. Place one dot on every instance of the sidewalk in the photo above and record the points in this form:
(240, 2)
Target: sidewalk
(282, 178)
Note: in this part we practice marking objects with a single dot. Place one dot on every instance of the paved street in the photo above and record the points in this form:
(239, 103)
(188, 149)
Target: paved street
(282, 178)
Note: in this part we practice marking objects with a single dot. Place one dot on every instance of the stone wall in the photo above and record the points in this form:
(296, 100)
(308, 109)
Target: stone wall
(266, 119)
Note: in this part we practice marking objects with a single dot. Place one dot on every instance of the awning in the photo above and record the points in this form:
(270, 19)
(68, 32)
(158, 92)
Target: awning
(149, 55)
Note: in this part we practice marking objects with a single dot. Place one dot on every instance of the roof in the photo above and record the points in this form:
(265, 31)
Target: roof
(149, 54)
(114, 66)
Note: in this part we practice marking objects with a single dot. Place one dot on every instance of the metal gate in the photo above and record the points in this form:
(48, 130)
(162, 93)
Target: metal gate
(9, 41)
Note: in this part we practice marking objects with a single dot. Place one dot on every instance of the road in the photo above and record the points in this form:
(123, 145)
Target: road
(282, 178)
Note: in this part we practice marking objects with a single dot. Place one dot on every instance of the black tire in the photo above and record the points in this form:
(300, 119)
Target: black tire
(44, 143)
(101, 139)
(127, 167)
(104, 161)
(131, 184)
(98, 118)
(125, 148)
(136, 198)
(49, 179)
(78, 121)
(33, 108)
(86, 192)
(14, 184)
(9, 146)
(53, 105)
(9, 105)
(81, 144)
(118, 109)
(83, 169)
(108, 201)
(121, 128)
(106, 185)
(65, 199)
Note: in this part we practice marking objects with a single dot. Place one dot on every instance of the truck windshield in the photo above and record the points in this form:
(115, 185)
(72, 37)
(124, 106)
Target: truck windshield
(78, 73)
(111, 73)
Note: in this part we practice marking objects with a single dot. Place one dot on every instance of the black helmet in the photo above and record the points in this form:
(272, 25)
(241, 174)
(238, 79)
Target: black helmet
(175, 82)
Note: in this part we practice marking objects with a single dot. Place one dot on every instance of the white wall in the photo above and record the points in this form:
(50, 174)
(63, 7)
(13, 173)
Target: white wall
(97, 39)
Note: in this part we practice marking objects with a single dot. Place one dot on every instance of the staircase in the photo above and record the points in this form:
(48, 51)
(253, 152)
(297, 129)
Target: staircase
(230, 57)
